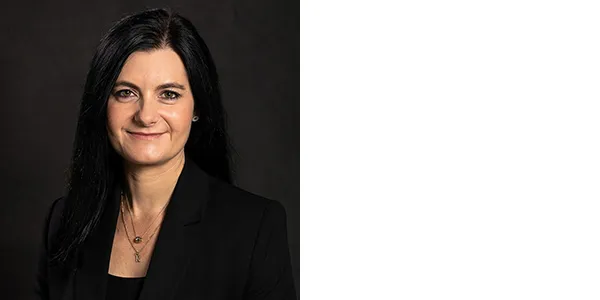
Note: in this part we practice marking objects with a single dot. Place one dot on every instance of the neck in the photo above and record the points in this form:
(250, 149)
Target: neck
(151, 186)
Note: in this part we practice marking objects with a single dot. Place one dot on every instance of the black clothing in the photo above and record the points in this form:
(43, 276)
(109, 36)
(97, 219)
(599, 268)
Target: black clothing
(216, 242)
(122, 288)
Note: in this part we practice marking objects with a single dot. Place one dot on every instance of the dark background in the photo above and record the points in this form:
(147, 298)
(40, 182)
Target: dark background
(44, 56)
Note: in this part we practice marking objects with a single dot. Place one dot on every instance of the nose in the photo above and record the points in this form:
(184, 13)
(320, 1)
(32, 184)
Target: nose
(147, 114)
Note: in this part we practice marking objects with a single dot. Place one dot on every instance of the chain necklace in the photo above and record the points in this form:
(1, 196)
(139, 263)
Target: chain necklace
(138, 238)
(136, 252)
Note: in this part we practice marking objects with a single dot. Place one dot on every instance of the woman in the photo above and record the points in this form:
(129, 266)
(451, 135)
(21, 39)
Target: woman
(150, 212)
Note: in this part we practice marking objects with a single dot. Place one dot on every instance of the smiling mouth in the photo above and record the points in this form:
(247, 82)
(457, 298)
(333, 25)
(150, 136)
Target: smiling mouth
(145, 136)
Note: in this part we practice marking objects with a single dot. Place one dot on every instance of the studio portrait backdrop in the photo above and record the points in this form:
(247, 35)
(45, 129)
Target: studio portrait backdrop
(45, 55)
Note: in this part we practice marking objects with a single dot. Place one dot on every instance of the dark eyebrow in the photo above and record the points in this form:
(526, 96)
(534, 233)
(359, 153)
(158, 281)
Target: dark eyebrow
(160, 87)
(171, 85)
(127, 84)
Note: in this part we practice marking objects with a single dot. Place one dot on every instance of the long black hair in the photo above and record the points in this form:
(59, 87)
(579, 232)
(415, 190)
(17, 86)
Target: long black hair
(96, 168)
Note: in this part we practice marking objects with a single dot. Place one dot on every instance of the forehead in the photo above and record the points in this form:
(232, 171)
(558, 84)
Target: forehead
(154, 66)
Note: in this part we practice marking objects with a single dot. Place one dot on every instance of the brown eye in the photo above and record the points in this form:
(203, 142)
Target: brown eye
(124, 93)
(170, 95)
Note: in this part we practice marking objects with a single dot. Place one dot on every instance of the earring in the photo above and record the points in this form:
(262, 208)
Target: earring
(195, 118)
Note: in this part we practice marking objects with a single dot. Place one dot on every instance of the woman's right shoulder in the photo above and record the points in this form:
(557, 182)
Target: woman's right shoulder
(56, 207)
(53, 215)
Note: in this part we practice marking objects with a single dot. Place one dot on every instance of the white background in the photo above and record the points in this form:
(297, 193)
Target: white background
(450, 150)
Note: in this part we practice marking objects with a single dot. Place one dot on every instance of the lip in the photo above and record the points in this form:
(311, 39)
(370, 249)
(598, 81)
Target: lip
(145, 136)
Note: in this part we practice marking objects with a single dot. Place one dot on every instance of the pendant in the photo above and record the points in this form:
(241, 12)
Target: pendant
(137, 239)
(137, 257)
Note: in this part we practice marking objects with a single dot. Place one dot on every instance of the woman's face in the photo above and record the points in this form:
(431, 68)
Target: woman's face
(152, 95)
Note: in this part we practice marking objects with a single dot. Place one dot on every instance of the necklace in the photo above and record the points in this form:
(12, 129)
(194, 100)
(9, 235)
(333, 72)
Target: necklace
(138, 238)
(136, 252)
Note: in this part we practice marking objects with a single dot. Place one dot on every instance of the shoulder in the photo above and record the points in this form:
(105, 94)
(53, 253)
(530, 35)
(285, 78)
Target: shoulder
(232, 201)
(55, 212)
(52, 220)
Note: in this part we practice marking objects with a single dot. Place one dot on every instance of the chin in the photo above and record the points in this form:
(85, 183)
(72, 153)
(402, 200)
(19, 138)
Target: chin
(149, 161)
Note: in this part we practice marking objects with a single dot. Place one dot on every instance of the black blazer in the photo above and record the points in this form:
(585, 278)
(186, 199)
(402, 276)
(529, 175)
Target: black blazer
(216, 242)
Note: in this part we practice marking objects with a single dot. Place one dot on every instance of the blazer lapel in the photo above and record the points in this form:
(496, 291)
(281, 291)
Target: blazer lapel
(176, 242)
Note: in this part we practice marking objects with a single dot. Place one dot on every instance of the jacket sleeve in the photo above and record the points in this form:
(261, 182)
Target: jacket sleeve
(270, 268)
(41, 283)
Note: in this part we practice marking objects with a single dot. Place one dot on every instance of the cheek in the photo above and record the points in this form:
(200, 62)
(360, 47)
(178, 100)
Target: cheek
(110, 119)
(114, 120)
(180, 120)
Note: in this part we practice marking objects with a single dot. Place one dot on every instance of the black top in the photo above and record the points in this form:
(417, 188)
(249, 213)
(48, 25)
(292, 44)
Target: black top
(123, 288)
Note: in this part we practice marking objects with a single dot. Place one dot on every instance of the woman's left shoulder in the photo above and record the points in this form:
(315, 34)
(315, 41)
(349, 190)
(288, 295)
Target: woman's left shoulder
(234, 199)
